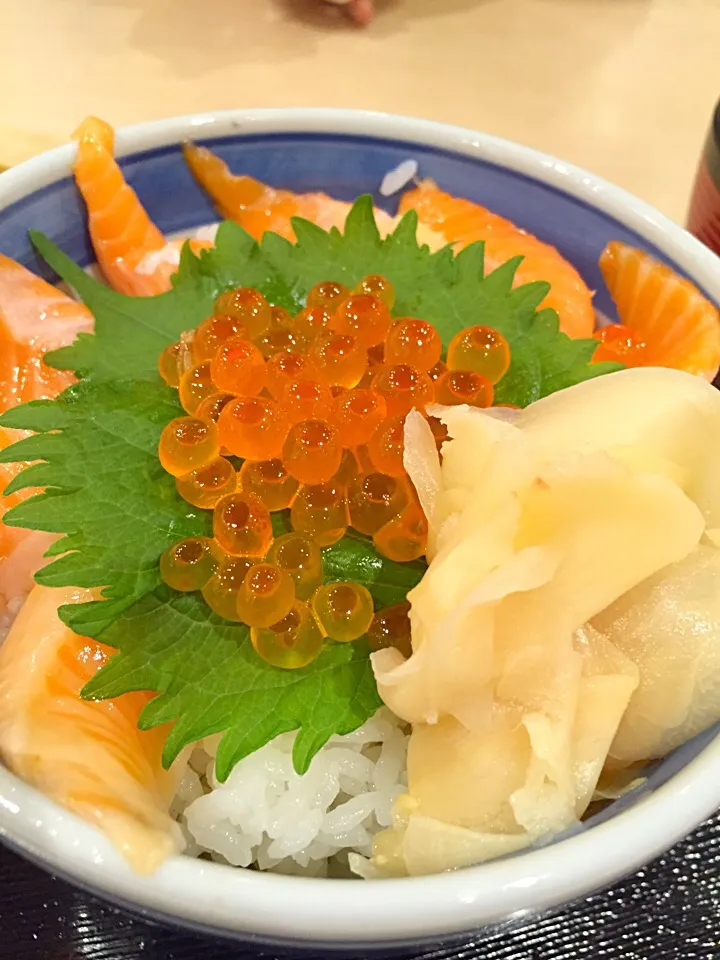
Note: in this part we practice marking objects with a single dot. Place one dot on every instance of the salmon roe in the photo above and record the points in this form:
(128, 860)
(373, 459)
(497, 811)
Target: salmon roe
(620, 344)
(482, 350)
(305, 414)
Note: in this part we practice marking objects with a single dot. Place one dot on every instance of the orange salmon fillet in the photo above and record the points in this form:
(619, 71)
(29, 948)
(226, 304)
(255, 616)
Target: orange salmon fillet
(87, 755)
(462, 222)
(664, 317)
(34, 317)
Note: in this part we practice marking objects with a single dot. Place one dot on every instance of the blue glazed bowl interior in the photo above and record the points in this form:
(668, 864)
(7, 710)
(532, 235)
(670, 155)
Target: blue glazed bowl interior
(345, 167)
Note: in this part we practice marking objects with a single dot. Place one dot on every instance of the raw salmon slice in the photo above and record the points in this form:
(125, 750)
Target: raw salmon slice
(132, 252)
(255, 206)
(35, 317)
(664, 320)
(122, 233)
(87, 755)
(462, 222)
(21, 551)
(259, 208)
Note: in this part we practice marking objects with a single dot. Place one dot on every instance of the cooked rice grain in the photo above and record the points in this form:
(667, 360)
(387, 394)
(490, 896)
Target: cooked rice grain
(266, 815)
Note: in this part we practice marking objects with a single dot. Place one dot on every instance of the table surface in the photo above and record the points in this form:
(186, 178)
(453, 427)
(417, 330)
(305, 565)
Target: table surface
(624, 88)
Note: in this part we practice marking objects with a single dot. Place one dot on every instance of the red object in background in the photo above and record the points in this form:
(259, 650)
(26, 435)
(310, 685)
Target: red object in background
(704, 215)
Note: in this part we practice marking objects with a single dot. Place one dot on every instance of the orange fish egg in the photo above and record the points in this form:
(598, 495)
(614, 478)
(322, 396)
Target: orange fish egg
(374, 499)
(248, 306)
(195, 385)
(206, 485)
(266, 595)
(319, 512)
(188, 565)
(238, 367)
(269, 480)
(221, 591)
(292, 643)
(212, 406)
(241, 525)
(343, 611)
(187, 443)
(214, 332)
(274, 341)
(328, 294)
(312, 451)
(391, 628)
(364, 317)
(310, 323)
(253, 428)
(282, 369)
(357, 415)
(376, 286)
(338, 359)
(306, 400)
(413, 342)
(464, 386)
(621, 344)
(404, 538)
(482, 350)
(403, 387)
(301, 557)
(385, 447)
(173, 362)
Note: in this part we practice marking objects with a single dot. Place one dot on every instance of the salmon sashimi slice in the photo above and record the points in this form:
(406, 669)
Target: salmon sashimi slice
(462, 222)
(35, 317)
(120, 229)
(132, 252)
(87, 755)
(259, 208)
(21, 551)
(255, 206)
(664, 320)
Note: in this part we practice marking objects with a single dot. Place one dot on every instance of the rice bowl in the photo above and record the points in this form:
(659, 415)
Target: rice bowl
(354, 780)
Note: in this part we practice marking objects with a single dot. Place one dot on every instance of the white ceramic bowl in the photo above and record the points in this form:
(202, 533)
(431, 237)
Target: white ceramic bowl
(346, 153)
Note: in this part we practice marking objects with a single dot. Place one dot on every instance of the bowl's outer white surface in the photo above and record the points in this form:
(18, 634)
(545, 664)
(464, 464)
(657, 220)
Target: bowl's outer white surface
(330, 911)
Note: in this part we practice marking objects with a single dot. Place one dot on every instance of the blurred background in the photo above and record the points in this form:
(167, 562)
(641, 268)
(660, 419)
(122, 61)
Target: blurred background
(625, 88)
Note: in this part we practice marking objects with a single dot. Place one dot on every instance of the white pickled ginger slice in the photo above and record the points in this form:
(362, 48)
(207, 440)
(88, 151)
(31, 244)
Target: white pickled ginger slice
(669, 626)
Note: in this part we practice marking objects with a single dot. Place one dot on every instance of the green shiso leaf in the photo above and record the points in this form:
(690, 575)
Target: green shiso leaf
(94, 451)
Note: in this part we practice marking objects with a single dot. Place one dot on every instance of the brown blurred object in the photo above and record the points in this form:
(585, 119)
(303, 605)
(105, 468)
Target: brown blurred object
(704, 215)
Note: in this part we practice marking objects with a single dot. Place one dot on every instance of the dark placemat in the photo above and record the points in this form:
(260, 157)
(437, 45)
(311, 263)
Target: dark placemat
(668, 911)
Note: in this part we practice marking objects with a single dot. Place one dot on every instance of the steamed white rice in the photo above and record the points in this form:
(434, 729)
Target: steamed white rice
(268, 816)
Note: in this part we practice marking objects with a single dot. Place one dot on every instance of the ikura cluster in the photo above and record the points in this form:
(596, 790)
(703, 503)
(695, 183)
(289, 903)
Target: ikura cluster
(313, 406)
